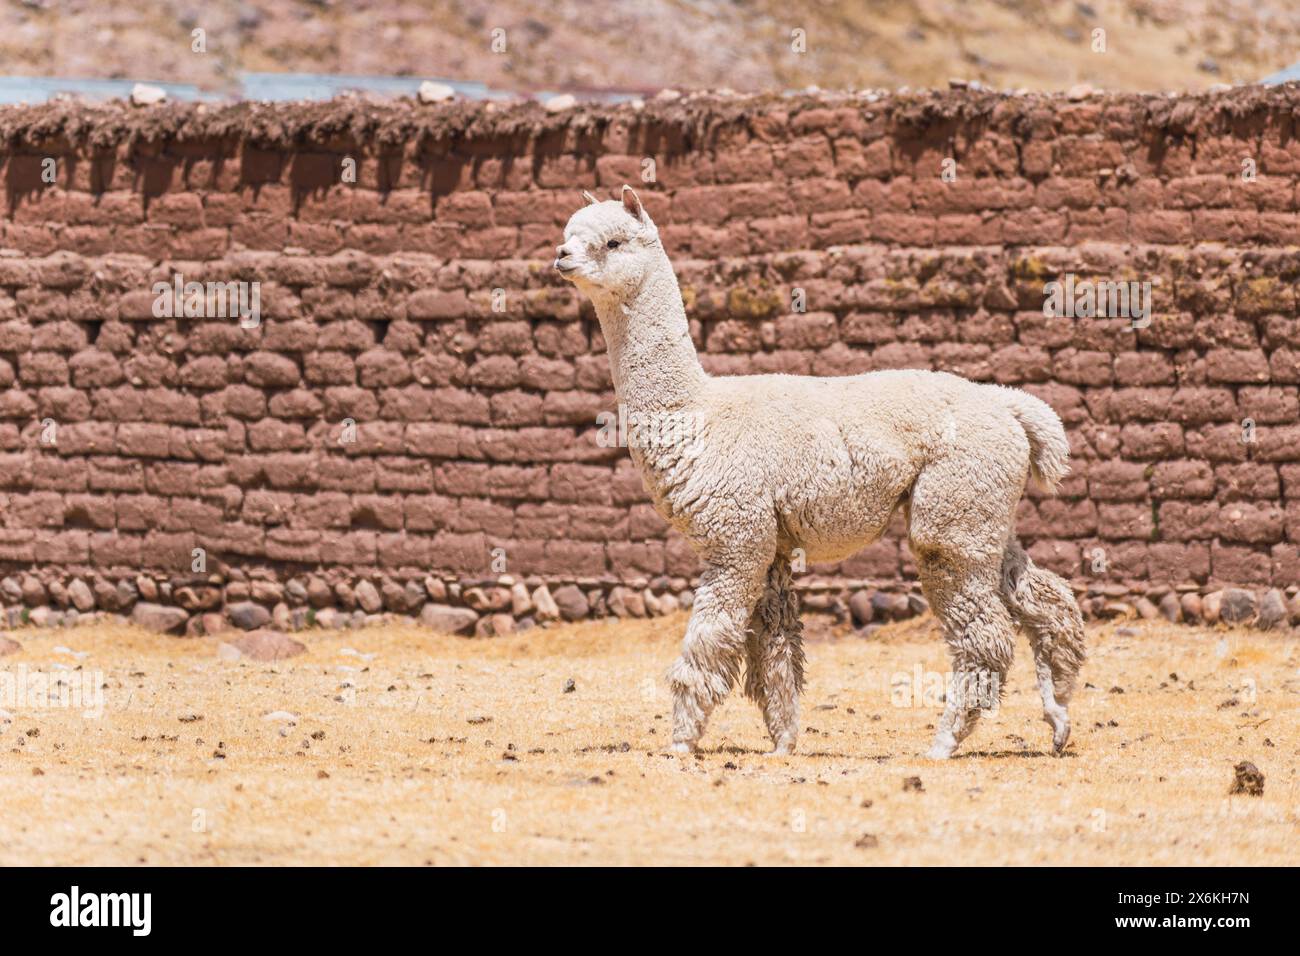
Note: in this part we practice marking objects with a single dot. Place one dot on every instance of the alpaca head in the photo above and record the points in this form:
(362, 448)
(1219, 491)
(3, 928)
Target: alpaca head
(609, 246)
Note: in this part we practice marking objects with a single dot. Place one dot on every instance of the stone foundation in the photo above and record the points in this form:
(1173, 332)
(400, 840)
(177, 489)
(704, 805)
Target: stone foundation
(486, 607)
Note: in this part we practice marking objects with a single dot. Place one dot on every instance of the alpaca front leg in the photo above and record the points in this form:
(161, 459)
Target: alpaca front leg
(715, 641)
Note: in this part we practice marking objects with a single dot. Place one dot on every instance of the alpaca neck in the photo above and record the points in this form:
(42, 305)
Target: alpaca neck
(651, 356)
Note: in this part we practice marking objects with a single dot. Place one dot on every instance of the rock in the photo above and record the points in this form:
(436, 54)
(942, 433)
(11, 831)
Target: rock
(263, 645)
(816, 601)
(248, 616)
(145, 94)
(283, 716)
(202, 598)
(281, 617)
(1117, 610)
(913, 785)
(1146, 609)
(687, 599)
(146, 587)
(266, 592)
(572, 603)
(79, 593)
(159, 618)
(319, 594)
(435, 588)
(12, 590)
(495, 625)
(520, 603)
(1239, 606)
(861, 608)
(1247, 779)
(917, 604)
(1171, 608)
(565, 101)
(8, 645)
(33, 591)
(487, 599)
(1272, 610)
(431, 92)
(890, 606)
(446, 619)
(1293, 609)
(1192, 606)
(400, 600)
(40, 617)
(327, 618)
(624, 602)
(1078, 92)
(368, 597)
(668, 603)
(296, 590)
(1211, 605)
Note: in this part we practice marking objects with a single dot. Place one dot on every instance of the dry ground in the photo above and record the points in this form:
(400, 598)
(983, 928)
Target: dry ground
(410, 749)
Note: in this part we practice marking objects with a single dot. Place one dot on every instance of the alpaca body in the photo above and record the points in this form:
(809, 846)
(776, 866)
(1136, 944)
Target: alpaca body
(755, 470)
(821, 463)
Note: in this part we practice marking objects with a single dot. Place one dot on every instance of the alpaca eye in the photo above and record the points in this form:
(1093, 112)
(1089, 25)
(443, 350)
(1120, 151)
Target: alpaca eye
(612, 244)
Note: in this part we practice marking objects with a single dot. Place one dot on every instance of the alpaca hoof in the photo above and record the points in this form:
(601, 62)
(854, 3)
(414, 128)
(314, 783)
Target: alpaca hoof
(680, 747)
(1059, 721)
(939, 752)
(783, 748)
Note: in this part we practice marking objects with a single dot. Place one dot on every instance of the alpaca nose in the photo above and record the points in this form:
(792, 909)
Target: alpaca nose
(562, 252)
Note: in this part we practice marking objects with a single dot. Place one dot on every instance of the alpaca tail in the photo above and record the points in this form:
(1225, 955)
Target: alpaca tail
(1049, 450)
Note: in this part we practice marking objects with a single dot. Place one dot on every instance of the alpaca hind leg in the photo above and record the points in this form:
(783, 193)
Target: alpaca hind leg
(1043, 606)
(715, 641)
(981, 644)
(774, 657)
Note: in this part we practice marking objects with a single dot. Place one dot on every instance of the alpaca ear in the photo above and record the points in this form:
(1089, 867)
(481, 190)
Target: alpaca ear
(591, 200)
(632, 203)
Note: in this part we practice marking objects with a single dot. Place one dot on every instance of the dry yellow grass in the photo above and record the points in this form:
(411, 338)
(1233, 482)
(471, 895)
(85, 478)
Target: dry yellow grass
(409, 765)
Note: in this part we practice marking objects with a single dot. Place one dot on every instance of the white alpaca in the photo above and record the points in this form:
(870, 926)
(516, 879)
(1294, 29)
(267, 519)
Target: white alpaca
(761, 465)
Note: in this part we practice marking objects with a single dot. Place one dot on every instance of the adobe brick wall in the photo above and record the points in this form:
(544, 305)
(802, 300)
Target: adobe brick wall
(476, 426)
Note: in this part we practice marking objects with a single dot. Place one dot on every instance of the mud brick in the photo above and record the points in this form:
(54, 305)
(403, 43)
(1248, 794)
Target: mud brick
(1187, 520)
(574, 559)
(427, 512)
(1276, 443)
(476, 514)
(1252, 522)
(1178, 563)
(1182, 479)
(1247, 481)
(1236, 564)
(348, 548)
(1152, 440)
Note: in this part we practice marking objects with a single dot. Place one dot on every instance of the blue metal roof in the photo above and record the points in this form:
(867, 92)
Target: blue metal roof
(1291, 73)
(269, 87)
